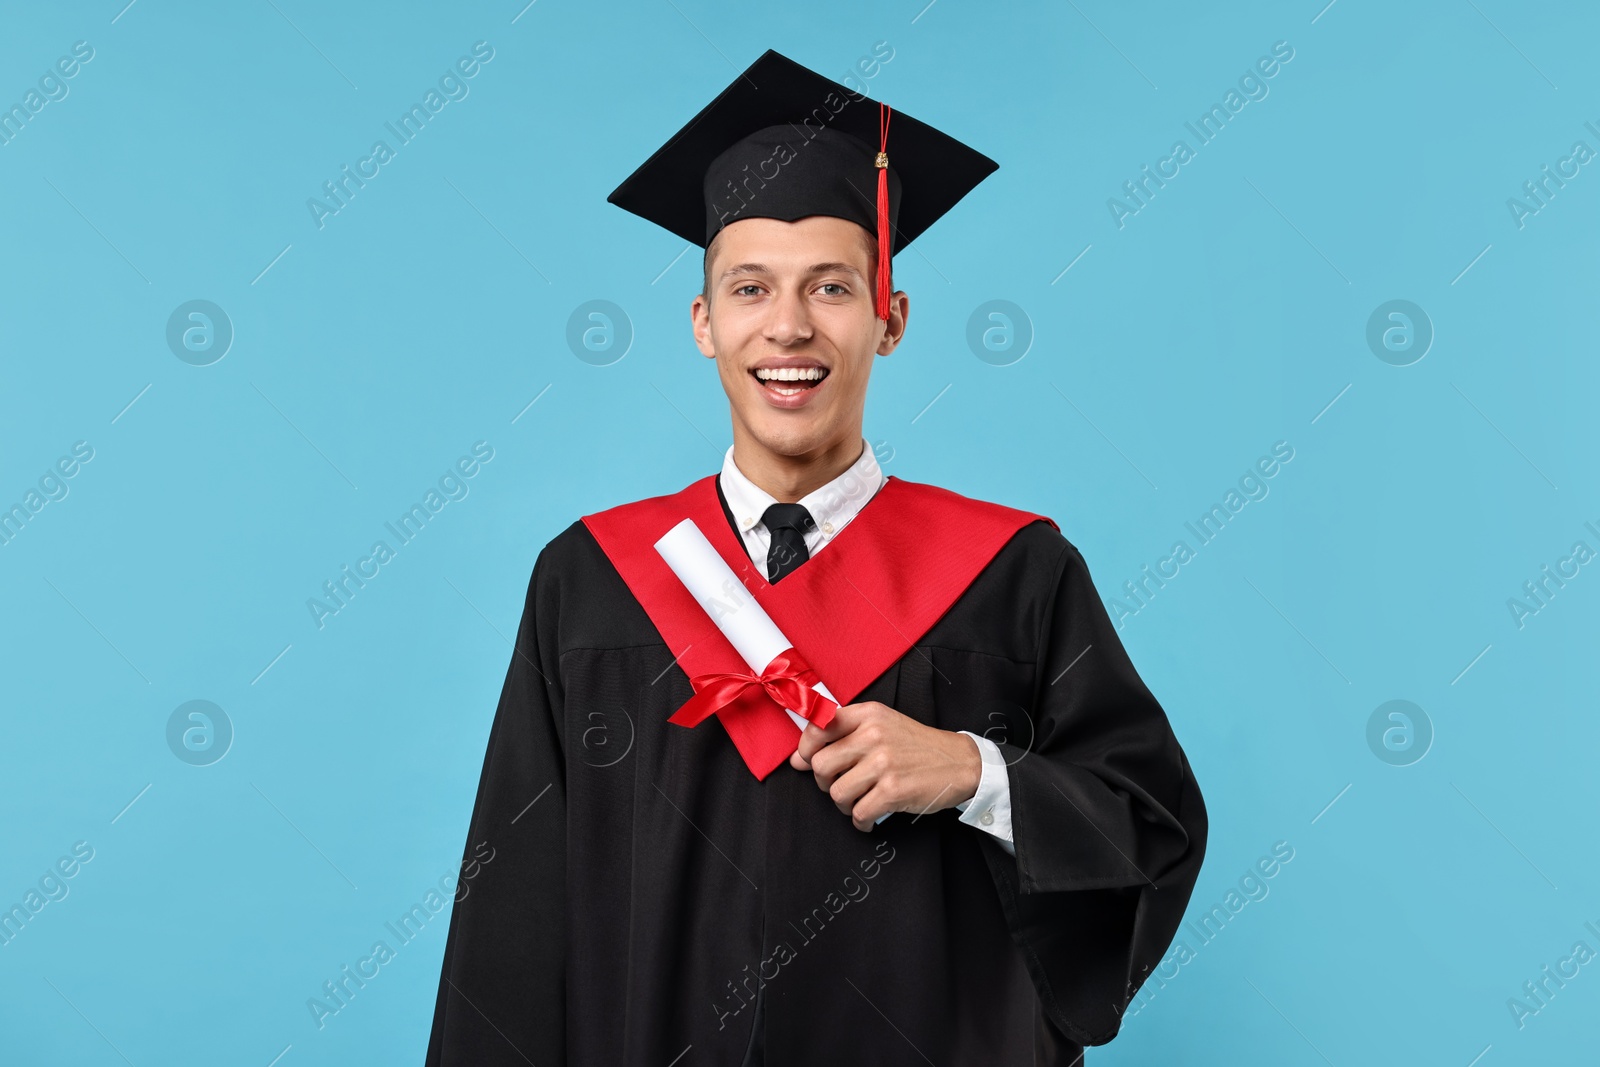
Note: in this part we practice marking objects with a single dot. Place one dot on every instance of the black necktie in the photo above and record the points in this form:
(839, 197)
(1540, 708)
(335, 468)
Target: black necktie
(787, 523)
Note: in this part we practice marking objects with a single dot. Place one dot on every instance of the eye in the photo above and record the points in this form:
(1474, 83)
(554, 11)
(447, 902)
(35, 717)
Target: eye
(747, 290)
(838, 289)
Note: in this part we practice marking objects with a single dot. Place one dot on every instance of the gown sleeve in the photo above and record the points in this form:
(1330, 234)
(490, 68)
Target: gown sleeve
(1108, 821)
(502, 990)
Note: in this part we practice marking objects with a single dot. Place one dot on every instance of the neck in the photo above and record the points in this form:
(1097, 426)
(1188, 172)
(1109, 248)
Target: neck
(788, 478)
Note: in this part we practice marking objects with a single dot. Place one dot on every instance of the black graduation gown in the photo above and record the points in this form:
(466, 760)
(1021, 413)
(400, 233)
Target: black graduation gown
(646, 886)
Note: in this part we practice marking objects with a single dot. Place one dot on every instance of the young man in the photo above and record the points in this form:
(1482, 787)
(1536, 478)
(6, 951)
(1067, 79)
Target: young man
(978, 858)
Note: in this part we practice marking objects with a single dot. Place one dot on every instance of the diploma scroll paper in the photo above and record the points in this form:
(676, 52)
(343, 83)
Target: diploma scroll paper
(718, 591)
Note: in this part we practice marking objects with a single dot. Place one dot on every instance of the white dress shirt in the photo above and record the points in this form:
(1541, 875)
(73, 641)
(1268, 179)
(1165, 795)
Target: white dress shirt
(831, 508)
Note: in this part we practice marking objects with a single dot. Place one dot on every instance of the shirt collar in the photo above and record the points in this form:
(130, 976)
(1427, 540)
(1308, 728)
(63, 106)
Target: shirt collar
(831, 505)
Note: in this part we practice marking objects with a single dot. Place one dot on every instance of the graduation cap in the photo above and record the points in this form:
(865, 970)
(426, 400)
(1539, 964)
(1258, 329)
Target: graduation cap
(783, 142)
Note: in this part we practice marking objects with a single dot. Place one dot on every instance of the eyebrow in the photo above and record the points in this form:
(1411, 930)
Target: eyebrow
(816, 268)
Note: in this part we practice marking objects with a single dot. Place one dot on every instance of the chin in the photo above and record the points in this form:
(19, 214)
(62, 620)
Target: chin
(790, 440)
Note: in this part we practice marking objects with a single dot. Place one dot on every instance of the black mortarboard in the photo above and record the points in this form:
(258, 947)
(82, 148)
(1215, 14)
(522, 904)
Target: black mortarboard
(783, 142)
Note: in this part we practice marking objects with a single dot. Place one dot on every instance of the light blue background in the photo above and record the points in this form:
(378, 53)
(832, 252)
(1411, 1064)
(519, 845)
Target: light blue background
(425, 316)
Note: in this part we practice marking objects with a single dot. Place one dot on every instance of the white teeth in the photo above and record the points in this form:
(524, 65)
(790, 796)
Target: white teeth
(791, 374)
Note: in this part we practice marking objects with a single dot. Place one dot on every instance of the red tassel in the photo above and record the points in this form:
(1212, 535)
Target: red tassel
(884, 244)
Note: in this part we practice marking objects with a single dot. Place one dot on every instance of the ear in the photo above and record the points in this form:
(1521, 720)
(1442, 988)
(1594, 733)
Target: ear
(700, 317)
(895, 328)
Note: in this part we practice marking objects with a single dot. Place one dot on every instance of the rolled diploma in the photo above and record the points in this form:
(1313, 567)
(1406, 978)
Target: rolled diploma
(714, 586)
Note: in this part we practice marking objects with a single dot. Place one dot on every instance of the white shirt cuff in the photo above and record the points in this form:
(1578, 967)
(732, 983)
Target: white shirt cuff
(989, 809)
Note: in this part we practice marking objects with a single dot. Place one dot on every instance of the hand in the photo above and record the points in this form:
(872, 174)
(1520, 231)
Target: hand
(872, 760)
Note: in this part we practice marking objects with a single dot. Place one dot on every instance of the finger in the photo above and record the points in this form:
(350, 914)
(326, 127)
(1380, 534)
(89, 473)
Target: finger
(849, 787)
(833, 759)
(811, 739)
(799, 762)
(814, 737)
(868, 809)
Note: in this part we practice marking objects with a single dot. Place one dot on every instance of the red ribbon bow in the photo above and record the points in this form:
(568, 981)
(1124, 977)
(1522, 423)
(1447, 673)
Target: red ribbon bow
(751, 707)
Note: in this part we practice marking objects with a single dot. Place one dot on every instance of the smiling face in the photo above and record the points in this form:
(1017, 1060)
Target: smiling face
(788, 315)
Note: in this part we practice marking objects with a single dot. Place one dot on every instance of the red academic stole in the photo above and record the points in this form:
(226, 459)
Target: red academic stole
(850, 612)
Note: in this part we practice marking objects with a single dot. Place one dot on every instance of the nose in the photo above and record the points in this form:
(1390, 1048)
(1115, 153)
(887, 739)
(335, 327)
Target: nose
(787, 322)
